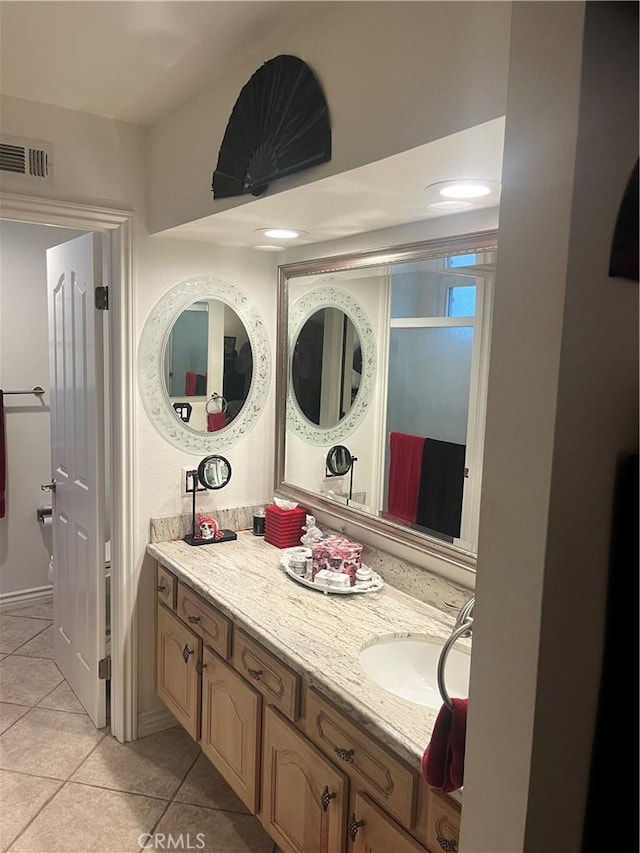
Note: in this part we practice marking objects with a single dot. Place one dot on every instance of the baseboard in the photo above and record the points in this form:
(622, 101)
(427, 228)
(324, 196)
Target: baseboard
(25, 598)
(155, 720)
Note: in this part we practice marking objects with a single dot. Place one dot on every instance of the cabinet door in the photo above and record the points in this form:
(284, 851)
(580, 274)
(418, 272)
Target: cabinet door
(231, 717)
(372, 831)
(304, 805)
(178, 682)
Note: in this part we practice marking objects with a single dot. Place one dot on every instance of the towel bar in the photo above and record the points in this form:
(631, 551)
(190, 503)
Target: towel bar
(38, 391)
(463, 628)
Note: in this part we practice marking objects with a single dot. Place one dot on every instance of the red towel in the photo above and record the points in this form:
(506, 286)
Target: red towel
(216, 421)
(443, 760)
(405, 464)
(2, 457)
(190, 379)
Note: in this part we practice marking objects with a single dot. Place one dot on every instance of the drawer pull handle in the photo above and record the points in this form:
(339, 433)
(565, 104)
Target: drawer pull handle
(193, 619)
(326, 797)
(161, 587)
(444, 829)
(186, 653)
(353, 826)
(254, 673)
(345, 754)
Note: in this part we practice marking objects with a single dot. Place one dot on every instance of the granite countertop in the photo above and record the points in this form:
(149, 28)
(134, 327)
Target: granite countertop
(319, 636)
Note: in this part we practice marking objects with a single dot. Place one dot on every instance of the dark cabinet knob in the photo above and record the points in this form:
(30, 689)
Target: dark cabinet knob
(254, 673)
(326, 797)
(186, 653)
(161, 588)
(353, 826)
(193, 619)
(345, 754)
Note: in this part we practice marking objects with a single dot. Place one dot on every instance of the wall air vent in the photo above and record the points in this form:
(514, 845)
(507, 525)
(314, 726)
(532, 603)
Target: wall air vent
(26, 159)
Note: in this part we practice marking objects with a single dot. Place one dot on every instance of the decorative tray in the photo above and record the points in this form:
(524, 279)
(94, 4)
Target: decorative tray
(372, 585)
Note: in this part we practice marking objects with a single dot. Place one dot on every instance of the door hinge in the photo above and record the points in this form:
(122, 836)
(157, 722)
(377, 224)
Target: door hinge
(102, 298)
(466, 472)
(104, 668)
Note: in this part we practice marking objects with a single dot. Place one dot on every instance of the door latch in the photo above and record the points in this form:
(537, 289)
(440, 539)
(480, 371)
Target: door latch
(48, 487)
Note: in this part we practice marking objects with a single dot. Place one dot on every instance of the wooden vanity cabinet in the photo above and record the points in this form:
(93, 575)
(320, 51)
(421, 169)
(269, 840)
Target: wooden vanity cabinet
(231, 727)
(304, 806)
(370, 829)
(178, 656)
(316, 779)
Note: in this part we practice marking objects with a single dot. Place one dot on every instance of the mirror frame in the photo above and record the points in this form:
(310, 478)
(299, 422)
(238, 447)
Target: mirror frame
(153, 341)
(332, 296)
(363, 523)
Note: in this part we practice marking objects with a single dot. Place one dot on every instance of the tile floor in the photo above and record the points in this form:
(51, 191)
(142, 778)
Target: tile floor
(67, 787)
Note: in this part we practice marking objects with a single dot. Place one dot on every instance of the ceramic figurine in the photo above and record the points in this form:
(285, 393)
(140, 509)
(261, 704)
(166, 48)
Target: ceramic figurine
(208, 527)
(312, 533)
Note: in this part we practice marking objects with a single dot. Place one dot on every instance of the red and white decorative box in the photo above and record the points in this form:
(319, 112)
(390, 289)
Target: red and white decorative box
(283, 527)
(337, 554)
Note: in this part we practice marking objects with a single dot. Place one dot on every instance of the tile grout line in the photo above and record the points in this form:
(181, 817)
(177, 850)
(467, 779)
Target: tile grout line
(31, 707)
(43, 806)
(37, 634)
(172, 800)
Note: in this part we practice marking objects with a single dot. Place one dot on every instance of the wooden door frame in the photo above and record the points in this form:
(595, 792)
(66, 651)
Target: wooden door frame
(119, 225)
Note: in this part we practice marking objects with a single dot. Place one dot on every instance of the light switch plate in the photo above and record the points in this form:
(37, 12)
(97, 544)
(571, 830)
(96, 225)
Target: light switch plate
(186, 483)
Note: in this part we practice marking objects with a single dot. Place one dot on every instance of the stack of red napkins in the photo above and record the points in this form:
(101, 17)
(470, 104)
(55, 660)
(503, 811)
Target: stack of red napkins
(283, 527)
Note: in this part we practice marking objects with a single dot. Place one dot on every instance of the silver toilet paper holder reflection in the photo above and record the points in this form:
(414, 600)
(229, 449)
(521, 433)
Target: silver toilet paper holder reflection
(44, 512)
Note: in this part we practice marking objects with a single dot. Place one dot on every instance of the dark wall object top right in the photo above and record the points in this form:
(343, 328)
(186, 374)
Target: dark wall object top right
(623, 262)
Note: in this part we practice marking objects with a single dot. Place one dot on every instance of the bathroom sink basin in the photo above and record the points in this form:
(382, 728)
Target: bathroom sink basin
(408, 668)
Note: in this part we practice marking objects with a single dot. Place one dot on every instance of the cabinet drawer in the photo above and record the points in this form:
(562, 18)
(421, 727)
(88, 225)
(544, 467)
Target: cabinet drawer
(166, 586)
(377, 772)
(205, 621)
(438, 823)
(278, 684)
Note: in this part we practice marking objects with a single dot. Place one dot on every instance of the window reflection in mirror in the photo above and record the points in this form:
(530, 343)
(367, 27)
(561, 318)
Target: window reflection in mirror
(208, 363)
(424, 429)
(326, 367)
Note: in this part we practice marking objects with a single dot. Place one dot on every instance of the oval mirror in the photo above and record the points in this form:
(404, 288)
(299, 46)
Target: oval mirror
(326, 367)
(214, 472)
(331, 365)
(204, 365)
(339, 460)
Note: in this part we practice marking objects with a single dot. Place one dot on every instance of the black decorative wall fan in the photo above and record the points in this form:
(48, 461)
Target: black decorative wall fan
(279, 125)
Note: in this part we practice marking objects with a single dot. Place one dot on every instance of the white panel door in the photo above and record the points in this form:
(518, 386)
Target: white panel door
(74, 269)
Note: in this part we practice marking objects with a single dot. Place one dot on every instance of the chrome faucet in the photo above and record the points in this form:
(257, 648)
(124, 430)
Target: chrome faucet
(465, 616)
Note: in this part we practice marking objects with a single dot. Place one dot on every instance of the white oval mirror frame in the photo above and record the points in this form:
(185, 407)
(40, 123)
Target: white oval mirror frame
(151, 365)
(300, 312)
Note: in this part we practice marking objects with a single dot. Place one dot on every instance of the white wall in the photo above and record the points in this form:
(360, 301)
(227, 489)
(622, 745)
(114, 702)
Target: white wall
(562, 408)
(25, 545)
(395, 75)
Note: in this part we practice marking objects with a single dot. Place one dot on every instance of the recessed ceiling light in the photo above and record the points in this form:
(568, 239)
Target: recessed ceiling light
(281, 233)
(451, 205)
(465, 190)
(266, 247)
(478, 191)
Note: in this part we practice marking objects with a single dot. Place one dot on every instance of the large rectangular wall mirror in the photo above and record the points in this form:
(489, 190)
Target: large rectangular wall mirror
(385, 355)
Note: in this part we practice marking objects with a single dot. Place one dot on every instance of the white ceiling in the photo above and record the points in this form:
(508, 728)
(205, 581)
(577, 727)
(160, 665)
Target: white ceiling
(378, 195)
(128, 59)
(137, 60)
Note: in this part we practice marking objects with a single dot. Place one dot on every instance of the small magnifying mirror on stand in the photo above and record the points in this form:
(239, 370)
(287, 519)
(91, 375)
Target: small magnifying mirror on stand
(340, 462)
(213, 472)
